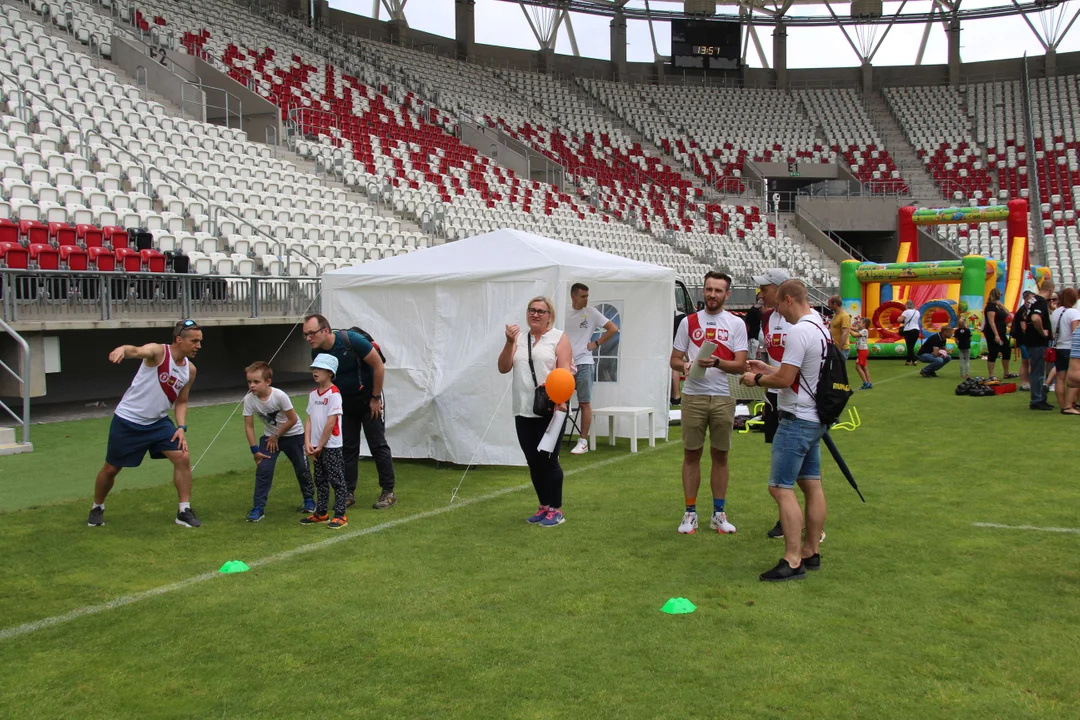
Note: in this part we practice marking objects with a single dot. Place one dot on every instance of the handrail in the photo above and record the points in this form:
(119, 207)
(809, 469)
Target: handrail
(24, 381)
(158, 55)
(149, 169)
(818, 225)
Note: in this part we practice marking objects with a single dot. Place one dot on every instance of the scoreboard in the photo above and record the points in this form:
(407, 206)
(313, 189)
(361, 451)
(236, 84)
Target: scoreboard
(706, 44)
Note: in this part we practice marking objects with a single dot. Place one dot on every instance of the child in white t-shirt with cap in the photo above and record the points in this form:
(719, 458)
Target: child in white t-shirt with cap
(322, 441)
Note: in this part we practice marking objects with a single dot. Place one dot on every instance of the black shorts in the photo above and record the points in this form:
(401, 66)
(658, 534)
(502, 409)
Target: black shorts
(1062, 361)
(994, 351)
(770, 415)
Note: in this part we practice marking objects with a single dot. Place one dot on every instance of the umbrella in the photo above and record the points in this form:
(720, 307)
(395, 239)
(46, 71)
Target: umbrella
(840, 463)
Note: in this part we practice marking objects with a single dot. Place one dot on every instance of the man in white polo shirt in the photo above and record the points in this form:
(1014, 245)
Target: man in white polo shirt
(581, 322)
(707, 403)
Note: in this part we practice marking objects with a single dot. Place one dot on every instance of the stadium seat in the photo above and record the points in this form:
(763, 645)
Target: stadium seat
(74, 258)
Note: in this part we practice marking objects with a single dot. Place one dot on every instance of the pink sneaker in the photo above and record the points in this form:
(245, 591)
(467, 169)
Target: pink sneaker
(540, 513)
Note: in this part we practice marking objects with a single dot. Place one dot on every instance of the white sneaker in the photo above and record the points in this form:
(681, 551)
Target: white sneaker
(581, 448)
(720, 524)
(689, 524)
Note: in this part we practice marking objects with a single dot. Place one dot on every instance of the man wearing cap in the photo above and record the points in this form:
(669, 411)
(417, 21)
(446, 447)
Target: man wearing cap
(360, 380)
(141, 421)
(773, 335)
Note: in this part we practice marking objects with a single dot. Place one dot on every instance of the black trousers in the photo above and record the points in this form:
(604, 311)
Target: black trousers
(544, 468)
(770, 414)
(356, 415)
(911, 338)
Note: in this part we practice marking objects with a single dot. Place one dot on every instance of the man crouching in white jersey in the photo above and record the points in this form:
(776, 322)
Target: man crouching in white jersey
(141, 422)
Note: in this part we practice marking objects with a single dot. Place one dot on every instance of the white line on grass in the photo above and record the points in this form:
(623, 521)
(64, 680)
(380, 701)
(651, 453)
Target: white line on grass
(30, 627)
(1027, 527)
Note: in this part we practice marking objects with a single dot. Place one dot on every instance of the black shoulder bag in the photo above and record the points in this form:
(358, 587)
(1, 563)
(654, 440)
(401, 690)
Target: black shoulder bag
(542, 404)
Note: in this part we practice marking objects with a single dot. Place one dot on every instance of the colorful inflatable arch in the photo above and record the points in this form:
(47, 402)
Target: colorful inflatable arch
(941, 290)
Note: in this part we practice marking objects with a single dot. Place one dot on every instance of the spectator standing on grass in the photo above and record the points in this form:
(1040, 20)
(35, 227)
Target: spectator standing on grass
(531, 356)
(322, 442)
(141, 421)
(1038, 337)
(796, 448)
(753, 325)
(996, 332)
(773, 335)
(935, 353)
(1017, 332)
(963, 346)
(911, 329)
(862, 352)
(283, 432)
(840, 325)
(359, 379)
(1064, 321)
(708, 405)
(581, 322)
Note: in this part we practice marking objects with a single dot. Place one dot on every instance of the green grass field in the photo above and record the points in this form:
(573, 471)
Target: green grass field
(465, 611)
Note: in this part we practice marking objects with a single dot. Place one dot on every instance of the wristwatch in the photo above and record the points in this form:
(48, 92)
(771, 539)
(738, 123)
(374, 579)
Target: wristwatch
(376, 397)
(757, 379)
(716, 362)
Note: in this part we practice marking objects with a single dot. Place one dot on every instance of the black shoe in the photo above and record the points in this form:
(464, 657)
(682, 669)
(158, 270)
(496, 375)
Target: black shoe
(783, 571)
(97, 517)
(187, 519)
(813, 562)
(350, 501)
(1041, 406)
(777, 531)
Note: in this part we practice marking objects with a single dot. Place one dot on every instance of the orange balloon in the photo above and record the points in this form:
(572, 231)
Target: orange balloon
(560, 385)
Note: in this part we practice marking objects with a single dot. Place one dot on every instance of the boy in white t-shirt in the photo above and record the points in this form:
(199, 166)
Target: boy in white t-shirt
(282, 432)
(322, 441)
(581, 323)
(861, 332)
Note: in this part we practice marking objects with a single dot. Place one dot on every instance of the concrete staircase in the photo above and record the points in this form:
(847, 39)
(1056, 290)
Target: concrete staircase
(924, 190)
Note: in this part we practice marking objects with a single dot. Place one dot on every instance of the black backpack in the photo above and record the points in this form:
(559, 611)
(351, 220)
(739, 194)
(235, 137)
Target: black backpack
(364, 334)
(833, 390)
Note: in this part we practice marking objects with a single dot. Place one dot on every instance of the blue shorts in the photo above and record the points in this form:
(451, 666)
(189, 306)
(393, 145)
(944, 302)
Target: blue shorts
(584, 381)
(1024, 355)
(128, 441)
(796, 452)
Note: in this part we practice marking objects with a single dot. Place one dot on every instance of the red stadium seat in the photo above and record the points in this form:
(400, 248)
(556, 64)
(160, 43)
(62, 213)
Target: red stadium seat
(74, 257)
(89, 235)
(128, 259)
(33, 232)
(101, 259)
(152, 260)
(115, 237)
(9, 231)
(14, 255)
(62, 234)
(45, 255)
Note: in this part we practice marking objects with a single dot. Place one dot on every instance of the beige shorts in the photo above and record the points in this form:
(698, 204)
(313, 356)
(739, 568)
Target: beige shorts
(712, 412)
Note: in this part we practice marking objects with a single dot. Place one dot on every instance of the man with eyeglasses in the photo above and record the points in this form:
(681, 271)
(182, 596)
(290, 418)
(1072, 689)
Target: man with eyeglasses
(359, 379)
(141, 421)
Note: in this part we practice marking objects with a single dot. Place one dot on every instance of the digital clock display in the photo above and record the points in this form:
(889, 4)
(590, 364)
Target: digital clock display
(706, 44)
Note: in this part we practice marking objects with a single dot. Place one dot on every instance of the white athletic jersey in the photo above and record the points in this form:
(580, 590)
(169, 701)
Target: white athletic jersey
(774, 335)
(154, 390)
(272, 412)
(724, 329)
(324, 407)
(805, 349)
(580, 326)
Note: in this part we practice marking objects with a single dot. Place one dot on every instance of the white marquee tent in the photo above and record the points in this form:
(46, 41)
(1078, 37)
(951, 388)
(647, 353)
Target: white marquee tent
(439, 316)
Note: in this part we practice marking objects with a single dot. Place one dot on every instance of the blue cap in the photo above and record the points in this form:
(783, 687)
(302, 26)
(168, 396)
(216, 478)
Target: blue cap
(326, 361)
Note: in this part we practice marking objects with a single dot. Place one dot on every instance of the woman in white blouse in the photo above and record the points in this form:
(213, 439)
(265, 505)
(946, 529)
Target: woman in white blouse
(550, 349)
